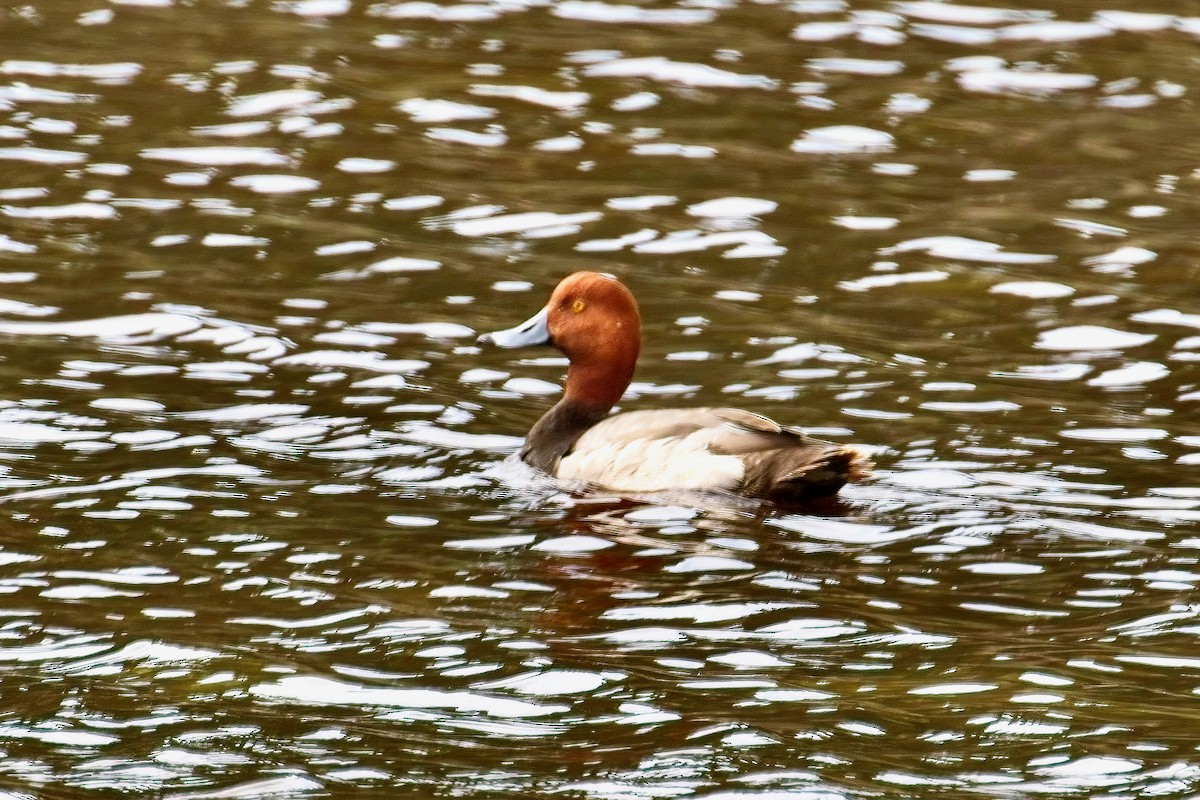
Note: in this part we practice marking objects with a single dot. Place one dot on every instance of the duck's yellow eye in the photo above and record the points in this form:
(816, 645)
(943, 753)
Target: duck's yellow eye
(578, 306)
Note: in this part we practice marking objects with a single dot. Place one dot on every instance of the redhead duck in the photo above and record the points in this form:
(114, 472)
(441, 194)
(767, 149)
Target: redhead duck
(593, 320)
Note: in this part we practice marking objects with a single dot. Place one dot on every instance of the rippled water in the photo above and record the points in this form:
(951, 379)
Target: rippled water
(263, 538)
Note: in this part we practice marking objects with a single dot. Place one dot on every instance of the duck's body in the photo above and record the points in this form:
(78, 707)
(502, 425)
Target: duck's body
(593, 320)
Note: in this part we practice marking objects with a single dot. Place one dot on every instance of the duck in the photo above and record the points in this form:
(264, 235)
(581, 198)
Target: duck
(593, 319)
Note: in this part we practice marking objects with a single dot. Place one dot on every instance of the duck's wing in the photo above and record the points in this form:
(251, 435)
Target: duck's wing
(729, 431)
(663, 423)
(778, 462)
(786, 464)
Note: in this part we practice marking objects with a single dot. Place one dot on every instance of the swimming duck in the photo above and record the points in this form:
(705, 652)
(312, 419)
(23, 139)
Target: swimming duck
(593, 319)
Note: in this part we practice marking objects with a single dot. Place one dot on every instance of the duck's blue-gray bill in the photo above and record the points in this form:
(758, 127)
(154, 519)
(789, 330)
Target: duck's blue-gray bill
(535, 330)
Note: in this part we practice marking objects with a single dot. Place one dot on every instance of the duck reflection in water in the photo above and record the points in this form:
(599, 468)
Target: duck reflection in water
(593, 320)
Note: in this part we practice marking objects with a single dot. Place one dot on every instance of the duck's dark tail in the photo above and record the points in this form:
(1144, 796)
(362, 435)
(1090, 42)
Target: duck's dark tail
(799, 477)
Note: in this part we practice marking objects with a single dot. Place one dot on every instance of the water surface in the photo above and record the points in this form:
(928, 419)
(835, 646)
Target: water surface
(263, 539)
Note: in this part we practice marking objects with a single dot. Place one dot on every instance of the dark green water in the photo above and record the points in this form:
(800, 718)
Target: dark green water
(261, 539)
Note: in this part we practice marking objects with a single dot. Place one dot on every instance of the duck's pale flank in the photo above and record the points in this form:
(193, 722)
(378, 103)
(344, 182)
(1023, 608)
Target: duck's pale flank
(593, 319)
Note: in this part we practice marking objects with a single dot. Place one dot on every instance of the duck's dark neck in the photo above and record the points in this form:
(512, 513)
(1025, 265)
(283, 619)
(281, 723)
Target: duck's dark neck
(556, 432)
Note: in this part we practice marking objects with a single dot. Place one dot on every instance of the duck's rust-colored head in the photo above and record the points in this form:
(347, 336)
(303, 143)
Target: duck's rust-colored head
(594, 321)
